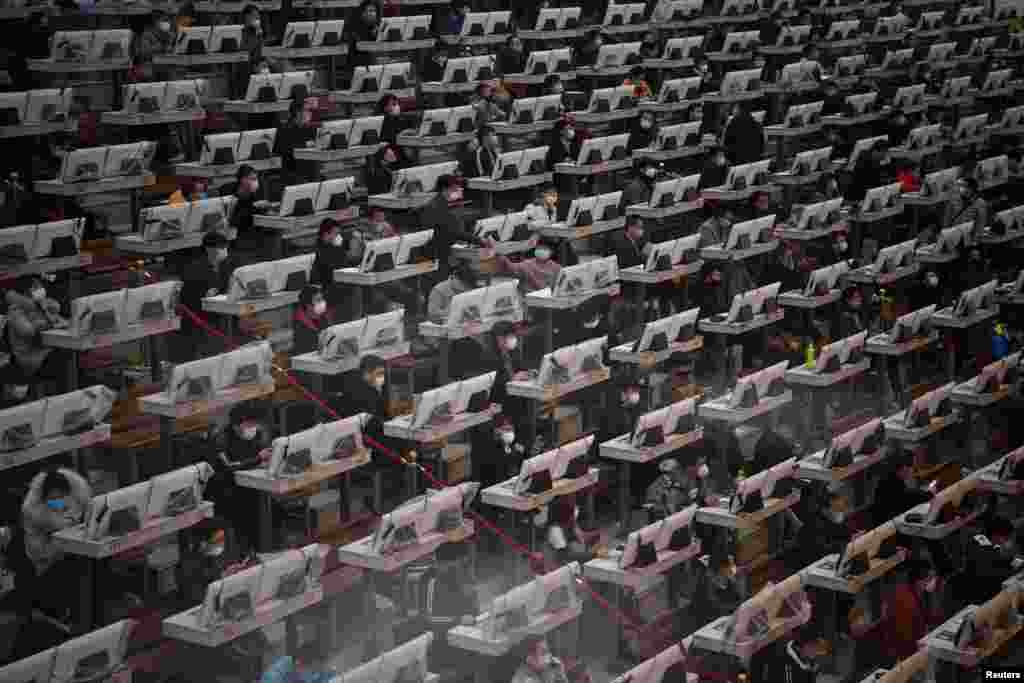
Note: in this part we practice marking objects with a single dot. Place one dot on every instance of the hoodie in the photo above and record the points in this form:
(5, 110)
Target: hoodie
(40, 522)
(26, 319)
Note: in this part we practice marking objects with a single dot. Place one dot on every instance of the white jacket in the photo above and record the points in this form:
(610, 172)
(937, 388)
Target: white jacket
(39, 521)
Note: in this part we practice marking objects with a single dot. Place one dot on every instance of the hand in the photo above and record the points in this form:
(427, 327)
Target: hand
(521, 376)
(265, 454)
(711, 501)
(212, 291)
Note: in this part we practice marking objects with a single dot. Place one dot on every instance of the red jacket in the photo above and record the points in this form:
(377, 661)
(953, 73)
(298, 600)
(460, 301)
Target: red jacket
(905, 622)
(908, 181)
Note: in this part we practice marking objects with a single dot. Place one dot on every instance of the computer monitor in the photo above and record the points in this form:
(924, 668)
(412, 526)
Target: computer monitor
(770, 381)
(48, 105)
(824, 280)
(340, 439)
(812, 161)
(951, 239)
(853, 348)
(994, 80)
(299, 200)
(219, 149)
(97, 313)
(334, 134)
(502, 302)
(138, 98)
(292, 274)
(133, 158)
(942, 182)
(184, 95)
(335, 194)
(556, 366)
(22, 426)
(992, 170)
(35, 669)
(149, 303)
(435, 405)
(226, 38)
(17, 243)
(880, 198)
(923, 137)
(533, 161)
(193, 40)
(747, 176)
(994, 375)
(414, 248)
(847, 29)
(110, 45)
(118, 513)
(256, 145)
(328, 32)
(293, 455)
(177, 492)
(380, 255)
(474, 394)
(748, 233)
(679, 90)
(284, 577)
(76, 412)
(940, 53)
(678, 49)
(1013, 117)
(83, 165)
(547, 19)
(910, 325)
(246, 365)
(254, 281)
(296, 85)
(342, 341)
(299, 34)
(491, 227)
(233, 598)
(466, 308)
(94, 655)
(263, 87)
(624, 14)
(536, 473)
(592, 151)
(421, 179)
(210, 215)
(195, 380)
(663, 195)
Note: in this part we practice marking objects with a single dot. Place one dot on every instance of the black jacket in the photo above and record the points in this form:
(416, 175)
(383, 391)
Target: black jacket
(200, 277)
(893, 498)
(713, 175)
(494, 464)
(306, 333)
(510, 61)
(558, 153)
(638, 191)
(630, 253)
(744, 139)
(448, 228)
(783, 665)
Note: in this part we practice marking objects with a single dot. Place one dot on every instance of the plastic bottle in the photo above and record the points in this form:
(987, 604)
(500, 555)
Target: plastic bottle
(810, 353)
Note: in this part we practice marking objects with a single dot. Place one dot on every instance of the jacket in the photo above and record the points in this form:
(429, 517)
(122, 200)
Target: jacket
(329, 258)
(306, 332)
(360, 397)
(629, 253)
(743, 139)
(904, 622)
(448, 227)
(784, 665)
(558, 153)
(39, 522)
(893, 498)
(202, 276)
(537, 274)
(713, 175)
(488, 112)
(283, 671)
(493, 461)
(638, 191)
(25, 320)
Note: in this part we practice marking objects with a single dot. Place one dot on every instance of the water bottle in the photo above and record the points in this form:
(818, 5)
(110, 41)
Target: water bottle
(809, 355)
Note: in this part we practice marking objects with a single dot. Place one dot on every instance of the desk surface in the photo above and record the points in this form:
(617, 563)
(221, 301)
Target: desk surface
(537, 392)
(822, 574)
(160, 404)
(720, 516)
(118, 184)
(490, 185)
(130, 118)
(325, 156)
(648, 359)
(73, 540)
(609, 571)
(290, 223)
(197, 170)
(361, 554)
(875, 217)
(46, 265)
(718, 252)
(565, 232)
(542, 298)
(894, 428)
(400, 427)
(727, 328)
(476, 638)
(653, 277)
(353, 276)
(52, 66)
(305, 52)
(988, 480)
(260, 479)
(621, 449)
(222, 305)
(69, 125)
(185, 625)
(435, 331)
(63, 339)
(941, 642)
(813, 467)
(504, 495)
(796, 299)
(594, 169)
(661, 212)
(804, 376)
(312, 362)
(882, 345)
(945, 318)
(201, 60)
(49, 447)
(932, 532)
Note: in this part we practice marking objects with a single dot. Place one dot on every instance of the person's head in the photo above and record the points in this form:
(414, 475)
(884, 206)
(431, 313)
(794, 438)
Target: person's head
(553, 85)
(635, 228)
(968, 188)
(974, 255)
(514, 43)
(312, 300)
(717, 156)
(505, 336)
(33, 287)
(488, 138)
(373, 371)
(854, 298)
(247, 420)
(637, 74)
(565, 130)
(595, 39)
(485, 90)
(721, 570)
(841, 243)
(248, 180)
(463, 274)
(544, 251)
(16, 386)
(669, 467)
(160, 21)
(629, 393)
(251, 16)
(647, 121)
(56, 490)
(538, 654)
(922, 577)
(216, 246)
(330, 233)
(368, 12)
(650, 37)
(389, 106)
(504, 430)
(389, 156)
(931, 279)
(548, 196)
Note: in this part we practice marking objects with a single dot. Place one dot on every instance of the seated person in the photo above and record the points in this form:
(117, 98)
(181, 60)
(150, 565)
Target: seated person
(670, 492)
(540, 666)
(487, 104)
(480, 164)
(496, 453)
(629, 245)
(367, 391)
(462, 278)
(718, 593)
(535, 273)
(156, 39)
(511, 57)
(334, 250)
(447, 599)
(310, 320)
(208, 275)
(543, 210)
(29, 313)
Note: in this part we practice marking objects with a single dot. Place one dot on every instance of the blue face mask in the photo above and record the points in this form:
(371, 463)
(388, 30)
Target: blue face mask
(57, 504)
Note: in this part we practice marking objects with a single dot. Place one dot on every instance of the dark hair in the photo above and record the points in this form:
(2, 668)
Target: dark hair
(972, 184)
(385, 101)
(249, 9)
(502, 329)
(55, 482)
(633, 219)
(637, 72)
(308, 293)
(510, 38)
(244, 170)
(370, 363)
(328, 225)
(999, 527)
(26, 283)
(445, 181)
(918, 569)
(483, 131)
(551, 80)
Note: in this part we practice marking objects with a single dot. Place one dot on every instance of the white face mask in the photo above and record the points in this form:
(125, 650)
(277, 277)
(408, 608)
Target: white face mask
(338, 240)
(542, 253)
(703, 471)
(591, 324)
(378, 382)
(249, 433)
(320, 307)
(511, 343)
(651, 172)
(842, 246)
(222, 255)
(19, 390)
(164, 26)
(264, 70)
(570, 133)
(39, 294)
(632, 398)
(933, 282)
(646, 124)
(213, 549)
(508, 438)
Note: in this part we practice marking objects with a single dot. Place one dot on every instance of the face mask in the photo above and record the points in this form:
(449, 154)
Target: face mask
(249, 433)
(631, 398)
(338, 240)
(39, 294)
(703, 471)
(570, 134)
(511, 343)
(395, 111)
(637, 234)
(842, 246)
(507, 438)
(164, 26)
(542, 253)
(319, 308)
(650, 172)
(645, 124)
(19, 391)
(591, 324)
(57, 504)
(933, 282)
(378, 382)
(221, 255)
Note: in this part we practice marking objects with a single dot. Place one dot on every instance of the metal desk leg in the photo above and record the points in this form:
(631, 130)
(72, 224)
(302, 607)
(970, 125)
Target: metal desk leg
(442, 368)
(72, 378)
(87, 597)
(167, 440)
(624, 493)
(266, 522)
(346, 494)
